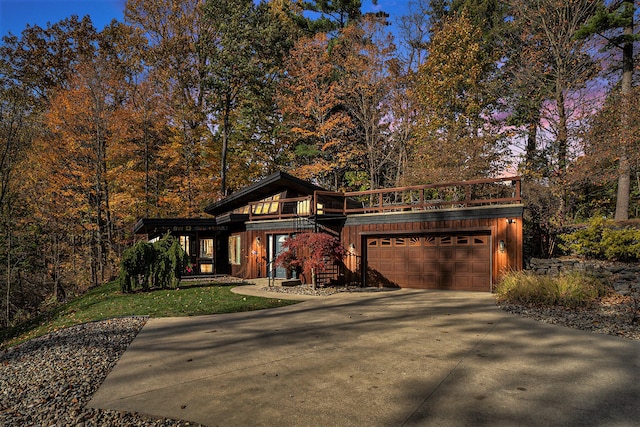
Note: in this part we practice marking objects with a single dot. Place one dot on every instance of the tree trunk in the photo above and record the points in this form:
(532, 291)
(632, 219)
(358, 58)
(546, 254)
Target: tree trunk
(532, 142)
(8, 275)
(562, 141)
(624, 169)
(225, 147)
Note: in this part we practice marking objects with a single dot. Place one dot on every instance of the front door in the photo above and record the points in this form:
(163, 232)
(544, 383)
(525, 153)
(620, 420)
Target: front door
(276, 242)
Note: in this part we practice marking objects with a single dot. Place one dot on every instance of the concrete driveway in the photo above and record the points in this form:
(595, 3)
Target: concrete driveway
(405, 357)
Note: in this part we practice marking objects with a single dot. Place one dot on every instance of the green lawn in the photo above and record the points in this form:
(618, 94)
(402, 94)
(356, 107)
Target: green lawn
(107, 302)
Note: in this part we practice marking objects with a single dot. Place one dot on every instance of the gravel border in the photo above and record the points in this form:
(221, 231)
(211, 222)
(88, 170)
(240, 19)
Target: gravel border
(49, 380)
(616, 314)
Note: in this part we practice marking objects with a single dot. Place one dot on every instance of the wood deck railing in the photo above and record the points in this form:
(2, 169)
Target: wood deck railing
(463, 194)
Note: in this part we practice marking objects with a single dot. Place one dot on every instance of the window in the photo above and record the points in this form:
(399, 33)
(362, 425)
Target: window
(235, 250)
(268, 205)
(206, 268)
(206, 248)
(185, 243)
(462, 240)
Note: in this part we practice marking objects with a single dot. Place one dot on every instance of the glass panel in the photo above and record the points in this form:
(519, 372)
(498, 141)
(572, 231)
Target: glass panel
(480, 240)
(429, 241)
(373, 242)
(445, 240)
(234, 250)
(386, 241)
(206, 268)
(303, 207)
(184, 242)
(206, 248)
(414, 241)
(400, 241)
(463, 240)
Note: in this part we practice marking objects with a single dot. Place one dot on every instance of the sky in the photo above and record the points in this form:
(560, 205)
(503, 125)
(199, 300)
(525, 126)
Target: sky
(16, 14)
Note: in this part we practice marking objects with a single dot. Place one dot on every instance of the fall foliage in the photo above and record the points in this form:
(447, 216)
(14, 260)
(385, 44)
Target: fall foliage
(186, 101)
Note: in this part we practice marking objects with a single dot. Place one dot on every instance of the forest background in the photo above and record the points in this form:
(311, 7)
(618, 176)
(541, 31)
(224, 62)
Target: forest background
(186, 101)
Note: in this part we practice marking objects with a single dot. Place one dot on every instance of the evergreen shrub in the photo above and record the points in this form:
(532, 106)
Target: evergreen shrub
(152, 265)
(602, 239)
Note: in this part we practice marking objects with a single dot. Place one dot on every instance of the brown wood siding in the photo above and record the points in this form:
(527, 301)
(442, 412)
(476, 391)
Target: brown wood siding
(498, 228)
(353, 237)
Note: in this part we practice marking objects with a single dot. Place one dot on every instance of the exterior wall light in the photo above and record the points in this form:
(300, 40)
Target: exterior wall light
(511, 221)
(502, 246)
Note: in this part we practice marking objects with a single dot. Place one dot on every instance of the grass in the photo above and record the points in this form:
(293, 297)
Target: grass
(107, 301)
(571, 290)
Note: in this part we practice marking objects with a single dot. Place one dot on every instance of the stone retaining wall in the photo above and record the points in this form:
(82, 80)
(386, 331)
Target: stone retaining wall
(624, 277)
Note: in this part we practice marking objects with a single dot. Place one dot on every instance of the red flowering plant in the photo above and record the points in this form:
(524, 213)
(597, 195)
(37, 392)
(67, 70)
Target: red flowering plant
(314, 251)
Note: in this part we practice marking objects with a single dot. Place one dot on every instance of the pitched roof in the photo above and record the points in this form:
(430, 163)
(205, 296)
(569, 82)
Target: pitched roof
(266, 187)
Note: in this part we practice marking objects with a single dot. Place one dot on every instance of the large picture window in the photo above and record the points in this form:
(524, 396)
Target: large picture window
(235, 250)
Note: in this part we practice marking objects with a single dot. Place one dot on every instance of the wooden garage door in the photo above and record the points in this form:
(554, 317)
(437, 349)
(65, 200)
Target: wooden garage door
(452, 261)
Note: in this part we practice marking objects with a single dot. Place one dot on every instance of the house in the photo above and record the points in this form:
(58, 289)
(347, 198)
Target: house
(459, 236)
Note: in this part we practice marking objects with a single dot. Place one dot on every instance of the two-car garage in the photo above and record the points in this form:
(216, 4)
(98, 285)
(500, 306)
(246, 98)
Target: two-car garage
(430, 261)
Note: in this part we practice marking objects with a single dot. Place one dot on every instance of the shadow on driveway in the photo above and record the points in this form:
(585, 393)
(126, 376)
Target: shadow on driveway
(409, 357)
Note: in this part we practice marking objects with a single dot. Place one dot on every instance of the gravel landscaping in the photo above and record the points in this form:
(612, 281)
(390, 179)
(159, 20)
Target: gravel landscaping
(49, 380)
(613, 315)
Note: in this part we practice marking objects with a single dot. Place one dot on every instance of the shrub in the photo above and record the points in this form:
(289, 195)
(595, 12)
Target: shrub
(158, 264)
(621, 244)
(311, 250)
(602, 239)
(574, 289)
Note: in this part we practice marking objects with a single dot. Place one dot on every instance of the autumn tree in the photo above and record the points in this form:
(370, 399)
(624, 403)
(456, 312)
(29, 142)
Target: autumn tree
(78, 149)
(614, 22)
(593, 176)
(414, 32)
(245, 47)
(176, 63)
(365, 54)
(318, 128)
(562, 60)
(456, 136)
(32, 67)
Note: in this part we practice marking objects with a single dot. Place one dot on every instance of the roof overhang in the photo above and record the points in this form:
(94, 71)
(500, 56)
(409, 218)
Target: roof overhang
(157, 226)
(273, 184)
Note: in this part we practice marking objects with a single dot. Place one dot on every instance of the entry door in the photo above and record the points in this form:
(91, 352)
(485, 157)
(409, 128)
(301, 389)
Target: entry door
(276, 242)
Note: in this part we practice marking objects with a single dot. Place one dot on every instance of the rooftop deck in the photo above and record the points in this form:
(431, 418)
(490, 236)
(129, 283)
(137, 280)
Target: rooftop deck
(464, 194)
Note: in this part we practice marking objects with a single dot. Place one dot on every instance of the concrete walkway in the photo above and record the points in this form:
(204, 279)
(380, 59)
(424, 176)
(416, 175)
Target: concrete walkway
(406, 357)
